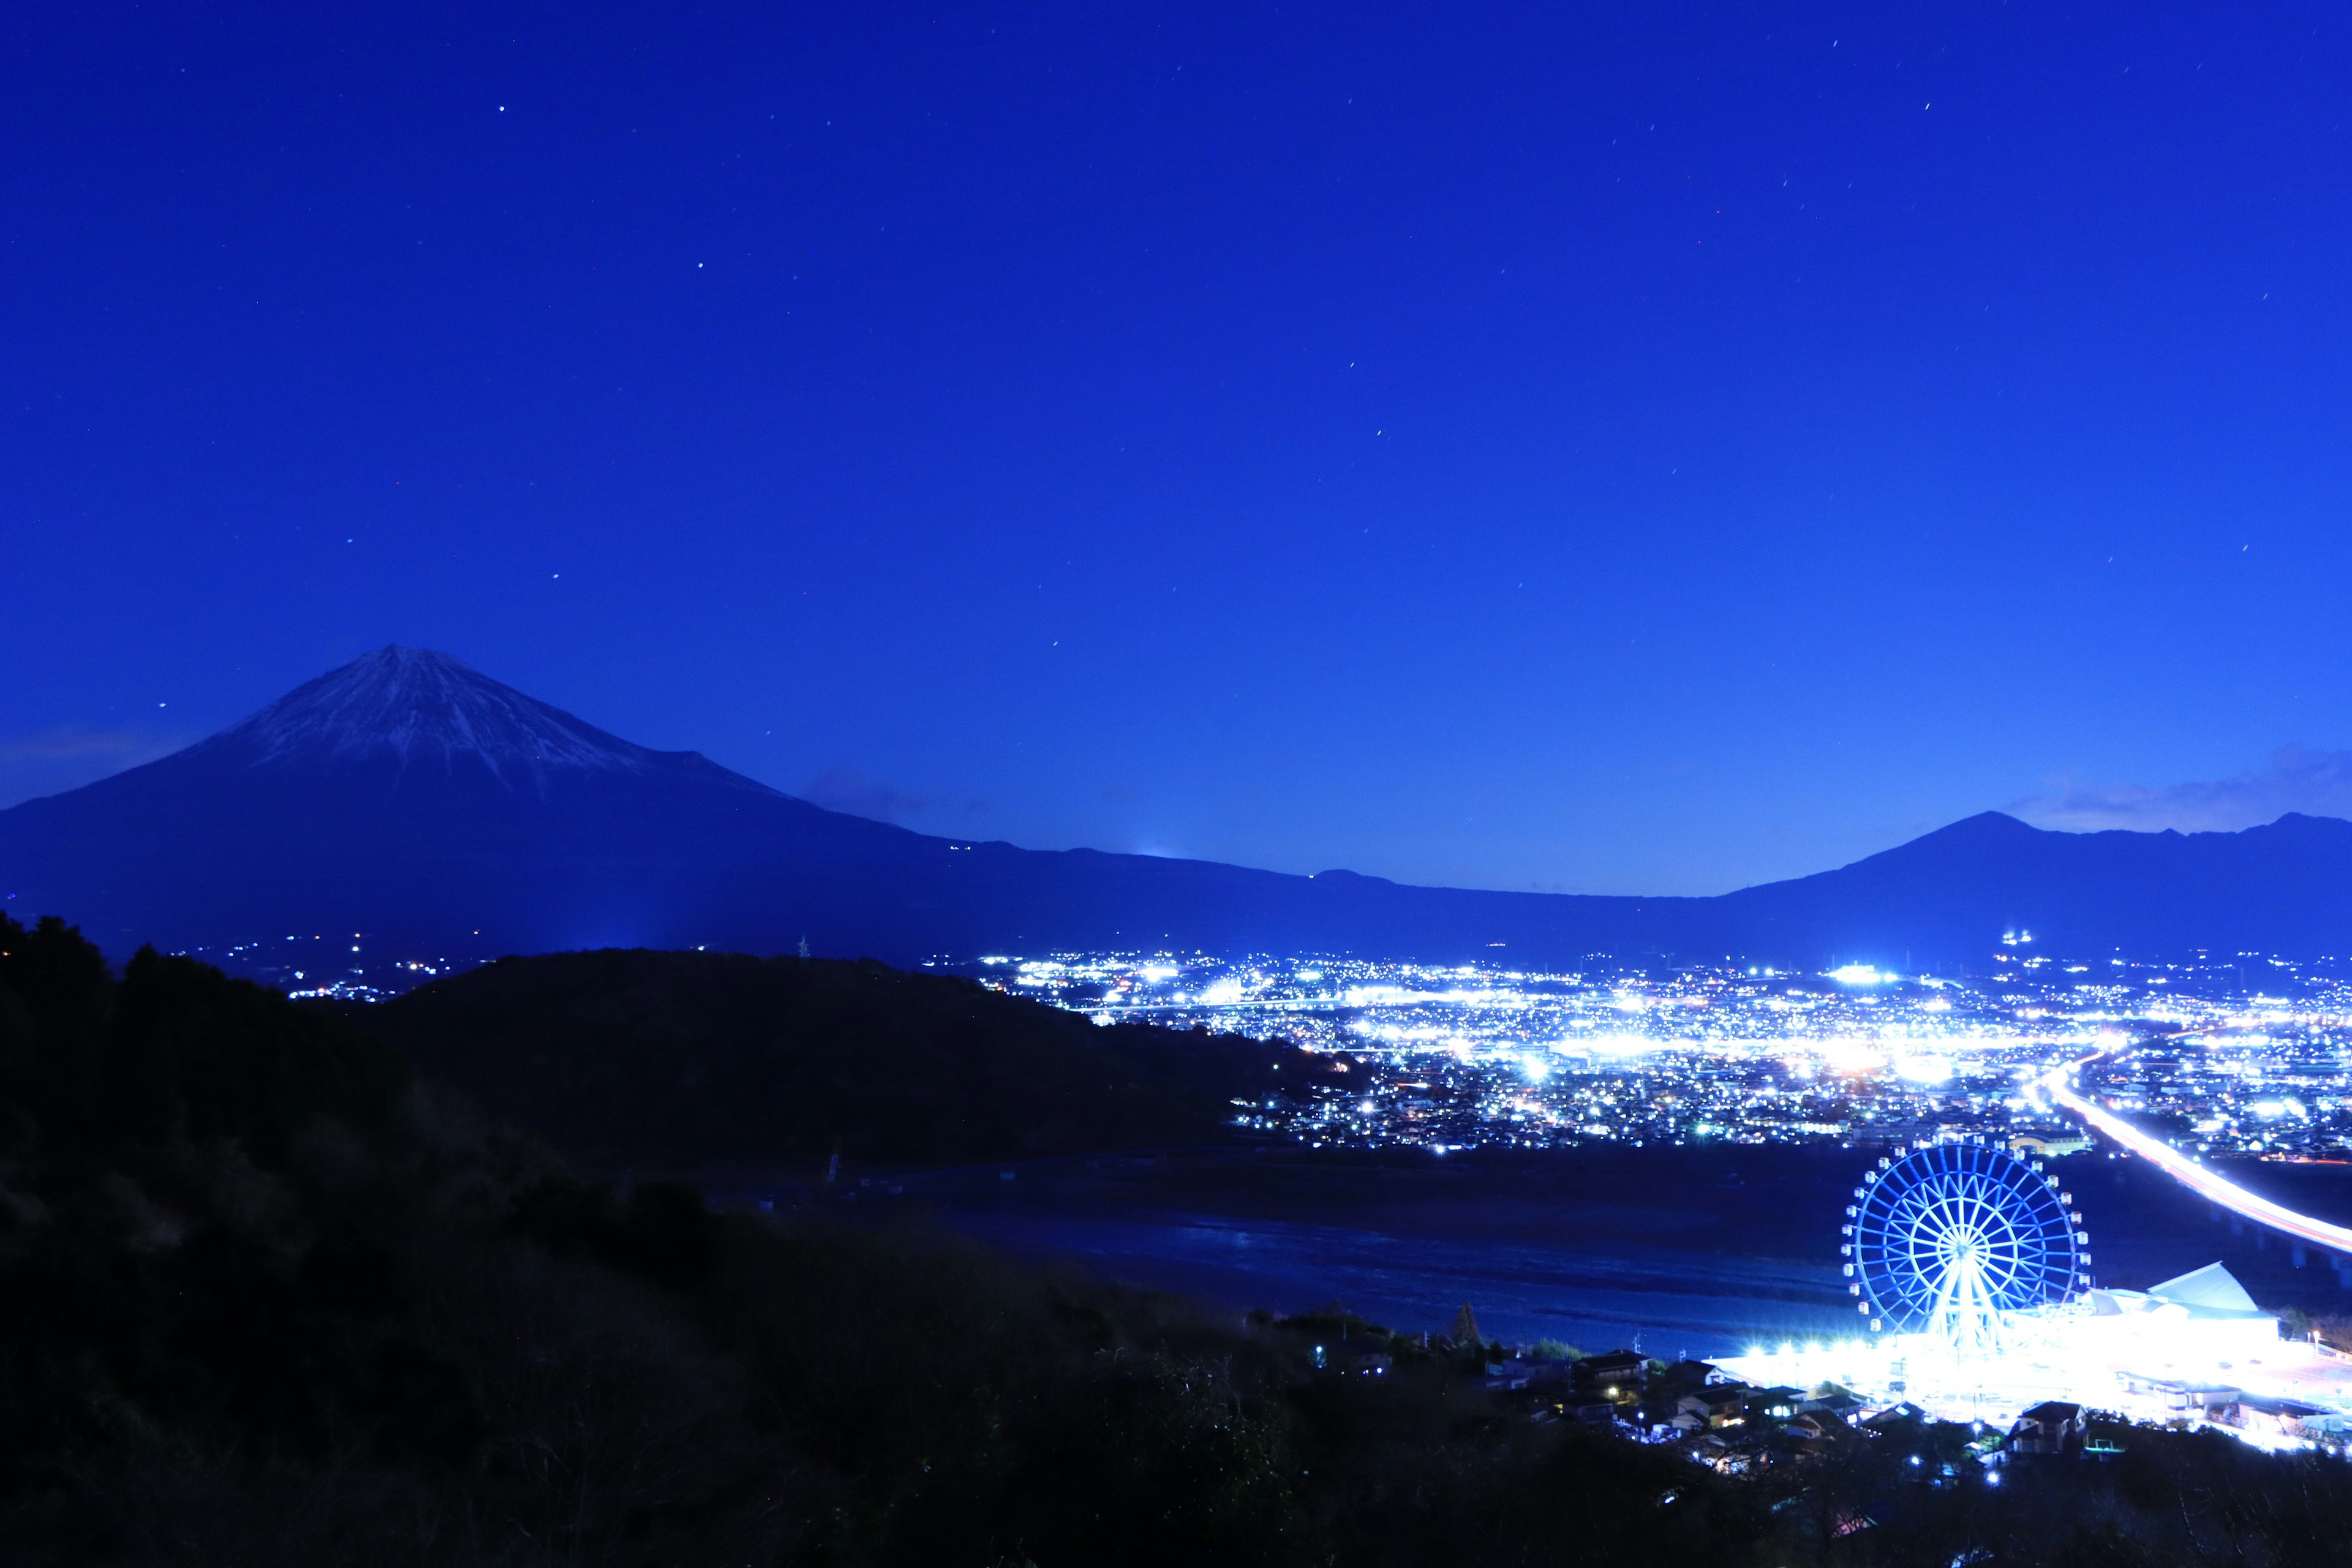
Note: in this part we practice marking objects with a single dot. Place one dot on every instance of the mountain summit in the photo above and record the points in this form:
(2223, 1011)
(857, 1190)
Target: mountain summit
(411, 799)
(413, 711)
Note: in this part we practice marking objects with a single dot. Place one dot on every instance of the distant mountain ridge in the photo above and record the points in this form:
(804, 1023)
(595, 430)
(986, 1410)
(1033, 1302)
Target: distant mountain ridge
(410, 798)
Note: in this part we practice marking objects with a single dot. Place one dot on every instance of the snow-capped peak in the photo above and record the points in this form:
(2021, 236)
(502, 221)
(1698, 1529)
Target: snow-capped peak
(422, 711)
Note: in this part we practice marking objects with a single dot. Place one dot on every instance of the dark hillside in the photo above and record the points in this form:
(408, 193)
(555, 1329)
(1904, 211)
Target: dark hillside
(632, 1059)
(259, 1305)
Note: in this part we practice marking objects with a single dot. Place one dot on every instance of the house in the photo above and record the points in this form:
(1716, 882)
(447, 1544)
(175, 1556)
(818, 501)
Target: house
(1817, 1431)
(1620, 1375)
(1895, 1418)
(1693, 1375)
(1710, 1451)
(2284, 1417)
(2053, 1427)
(1719, 1406)
(1546, 1370)
(1733, 1462)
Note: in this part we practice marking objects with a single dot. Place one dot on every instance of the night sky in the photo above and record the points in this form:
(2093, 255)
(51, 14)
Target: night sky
(1640, 447)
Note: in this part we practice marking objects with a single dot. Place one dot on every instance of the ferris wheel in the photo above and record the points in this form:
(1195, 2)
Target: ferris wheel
(1948, 1239)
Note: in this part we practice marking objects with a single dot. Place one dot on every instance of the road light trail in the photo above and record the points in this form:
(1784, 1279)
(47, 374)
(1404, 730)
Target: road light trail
(2192, 1174)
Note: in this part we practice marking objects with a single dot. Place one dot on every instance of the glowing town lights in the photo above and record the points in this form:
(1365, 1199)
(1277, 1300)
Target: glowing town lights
(1477, 1056)
(1622, 1045)
(2192, 1175)
(1851, 1057)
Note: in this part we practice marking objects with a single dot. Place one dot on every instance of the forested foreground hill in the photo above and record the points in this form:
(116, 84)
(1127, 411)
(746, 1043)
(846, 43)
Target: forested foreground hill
(628, 1060)
(260, 1305)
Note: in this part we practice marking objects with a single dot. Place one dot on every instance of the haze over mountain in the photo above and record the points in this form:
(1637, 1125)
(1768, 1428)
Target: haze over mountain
(410, 798)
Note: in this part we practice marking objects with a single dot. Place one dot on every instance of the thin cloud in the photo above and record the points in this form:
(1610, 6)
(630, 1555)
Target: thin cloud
(74, 744)
(49, 762)
(2317, 783)
(862, 794)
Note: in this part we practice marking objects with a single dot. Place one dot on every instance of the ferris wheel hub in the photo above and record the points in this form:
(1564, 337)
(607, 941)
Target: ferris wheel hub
(1952, 1240)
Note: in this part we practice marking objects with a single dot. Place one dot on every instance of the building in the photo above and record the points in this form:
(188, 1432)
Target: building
(2050, 1145)
(1819, 1431)
(2203, 1317)
(1693, 1375)
(2186, 1396)
(2285, 1418)
(1714, 1407)
(2053, 1427)
(1620, 1375)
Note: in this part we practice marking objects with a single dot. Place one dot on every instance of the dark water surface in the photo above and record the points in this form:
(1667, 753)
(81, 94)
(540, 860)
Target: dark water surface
(1700, 1249)
(1669, 1303)
(1598, 1248)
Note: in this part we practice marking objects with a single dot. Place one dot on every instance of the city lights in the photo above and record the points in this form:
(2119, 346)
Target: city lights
(2229, 1057)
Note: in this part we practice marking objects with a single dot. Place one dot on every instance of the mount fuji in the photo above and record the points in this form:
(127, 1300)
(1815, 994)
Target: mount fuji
(407, 797)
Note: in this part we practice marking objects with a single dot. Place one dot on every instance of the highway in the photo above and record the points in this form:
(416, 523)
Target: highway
(2336, 1238)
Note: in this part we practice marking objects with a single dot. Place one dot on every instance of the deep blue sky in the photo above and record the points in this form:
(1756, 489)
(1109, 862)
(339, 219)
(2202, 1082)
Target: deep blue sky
(1621, 448)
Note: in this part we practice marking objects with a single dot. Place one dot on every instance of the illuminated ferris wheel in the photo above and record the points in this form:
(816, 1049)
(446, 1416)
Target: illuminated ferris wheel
(1948, 1239)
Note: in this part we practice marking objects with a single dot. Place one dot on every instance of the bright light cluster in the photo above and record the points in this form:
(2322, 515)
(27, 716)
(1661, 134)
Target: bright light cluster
(1458, 1055)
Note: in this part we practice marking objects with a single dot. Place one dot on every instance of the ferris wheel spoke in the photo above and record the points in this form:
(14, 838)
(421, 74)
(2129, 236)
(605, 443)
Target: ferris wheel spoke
(1953, 1237)
(1934, 1208)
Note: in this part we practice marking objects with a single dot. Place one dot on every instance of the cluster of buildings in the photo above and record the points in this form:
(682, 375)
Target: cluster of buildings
(2251, 1059)
(2266, 1083)
(2190, 1352)
(315, 965)
(2239, 1055)
(1721, 1418)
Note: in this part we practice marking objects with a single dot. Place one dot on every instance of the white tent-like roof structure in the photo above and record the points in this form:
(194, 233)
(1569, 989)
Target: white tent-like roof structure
(2212, 1287)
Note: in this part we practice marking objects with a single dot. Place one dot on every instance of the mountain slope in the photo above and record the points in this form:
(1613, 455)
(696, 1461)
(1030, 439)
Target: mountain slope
(2285, 887)
(412, 799)
(699, 1060)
